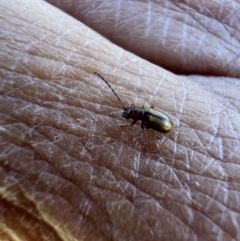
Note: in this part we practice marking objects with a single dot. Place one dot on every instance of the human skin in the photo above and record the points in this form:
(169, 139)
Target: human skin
(68, 172)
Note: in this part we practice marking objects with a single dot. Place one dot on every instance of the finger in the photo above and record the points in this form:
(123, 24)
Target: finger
(184, 37)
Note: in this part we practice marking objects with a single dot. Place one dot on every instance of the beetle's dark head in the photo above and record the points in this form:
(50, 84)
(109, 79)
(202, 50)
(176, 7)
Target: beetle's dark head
(128, 112)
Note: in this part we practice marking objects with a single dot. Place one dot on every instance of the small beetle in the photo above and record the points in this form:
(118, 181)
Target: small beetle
(151, 118)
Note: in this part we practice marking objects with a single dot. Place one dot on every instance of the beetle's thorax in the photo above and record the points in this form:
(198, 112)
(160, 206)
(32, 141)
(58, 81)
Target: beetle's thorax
(135, 113)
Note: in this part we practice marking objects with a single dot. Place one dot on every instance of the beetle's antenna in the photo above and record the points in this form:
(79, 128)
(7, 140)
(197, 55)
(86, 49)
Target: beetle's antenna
(111, 89)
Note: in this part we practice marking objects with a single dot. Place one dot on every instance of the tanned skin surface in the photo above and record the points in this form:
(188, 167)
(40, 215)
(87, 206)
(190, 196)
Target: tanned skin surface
(67, 172)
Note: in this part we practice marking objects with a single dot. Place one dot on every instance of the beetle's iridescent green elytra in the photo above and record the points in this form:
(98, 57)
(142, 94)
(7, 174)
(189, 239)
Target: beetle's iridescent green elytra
(151, 119)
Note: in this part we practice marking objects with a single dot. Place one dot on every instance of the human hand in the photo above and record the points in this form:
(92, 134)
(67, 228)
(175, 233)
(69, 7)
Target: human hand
(64, 177)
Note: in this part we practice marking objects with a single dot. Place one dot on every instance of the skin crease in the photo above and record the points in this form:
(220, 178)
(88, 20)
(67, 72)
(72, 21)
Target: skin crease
(67, 172)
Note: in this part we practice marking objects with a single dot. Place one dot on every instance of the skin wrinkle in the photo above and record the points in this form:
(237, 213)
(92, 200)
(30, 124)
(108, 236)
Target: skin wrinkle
(206, 147)
(44, 107)
(125, 227)
(32, 216)
(192, 16)
(224, 205)
(230, 61)
(52, 224)
(230, 44)
(214, 177)
(173, 170)
(179, 114)
(189, 226)
(222, 227)
(139, 214)
(215, 17)
(166, 150)
(206, 9)
(89, 218)
(81, 191)
(231, 208)
(140, 189)
(190, 149)
(195, 150)
(214, 223)
(41, 123)
(196, 210)
(49, 162)
(128, 199)
(180, 220)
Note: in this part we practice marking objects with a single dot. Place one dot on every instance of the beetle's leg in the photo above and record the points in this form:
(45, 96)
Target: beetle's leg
(143, 127)
(133, 123)
(154, 134)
